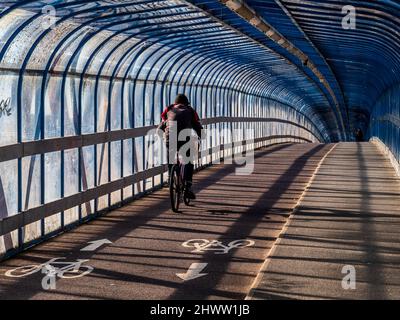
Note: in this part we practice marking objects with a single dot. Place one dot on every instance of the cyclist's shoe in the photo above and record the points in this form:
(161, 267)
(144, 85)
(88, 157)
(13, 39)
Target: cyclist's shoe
(189, 194)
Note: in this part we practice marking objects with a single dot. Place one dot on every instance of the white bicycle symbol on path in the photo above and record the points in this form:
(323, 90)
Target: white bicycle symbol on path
(63, 269)
(202, 245)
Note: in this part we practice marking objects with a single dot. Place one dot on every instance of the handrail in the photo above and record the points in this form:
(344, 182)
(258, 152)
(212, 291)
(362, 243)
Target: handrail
(391, 118)
(25, 149)
(29, 216)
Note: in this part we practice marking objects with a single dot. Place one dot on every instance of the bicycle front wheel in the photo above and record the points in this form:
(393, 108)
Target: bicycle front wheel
(175, 188)
(71, 274)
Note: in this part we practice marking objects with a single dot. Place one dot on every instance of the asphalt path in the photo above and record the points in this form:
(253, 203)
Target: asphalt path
(213, 249)
(343, 241)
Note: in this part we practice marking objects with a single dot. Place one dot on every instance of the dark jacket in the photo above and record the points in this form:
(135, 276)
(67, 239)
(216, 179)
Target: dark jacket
(185, 117)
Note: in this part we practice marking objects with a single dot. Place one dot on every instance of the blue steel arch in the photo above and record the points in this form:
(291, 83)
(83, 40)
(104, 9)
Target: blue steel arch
(365, 60)
(136, 56)
(189, 72)
(85, 40)
(40, 129)
(247, 28)
(116, 69)
(115, 54)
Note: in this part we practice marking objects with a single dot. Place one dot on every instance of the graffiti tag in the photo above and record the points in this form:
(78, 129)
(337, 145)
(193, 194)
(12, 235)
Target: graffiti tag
(5, 108)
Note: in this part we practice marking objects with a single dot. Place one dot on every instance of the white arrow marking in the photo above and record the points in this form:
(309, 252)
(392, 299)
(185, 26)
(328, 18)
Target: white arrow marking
(193, 272)
(96, 244)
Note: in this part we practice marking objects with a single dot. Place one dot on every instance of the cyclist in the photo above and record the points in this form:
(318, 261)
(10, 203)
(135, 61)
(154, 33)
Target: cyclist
(185, 117)
(359, 135)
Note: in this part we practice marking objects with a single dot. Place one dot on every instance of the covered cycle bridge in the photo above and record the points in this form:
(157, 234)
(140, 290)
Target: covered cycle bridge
(291, 202)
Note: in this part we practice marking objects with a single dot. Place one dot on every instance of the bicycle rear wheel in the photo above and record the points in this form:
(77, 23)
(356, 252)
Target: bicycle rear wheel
(23, 271)
(175, 188)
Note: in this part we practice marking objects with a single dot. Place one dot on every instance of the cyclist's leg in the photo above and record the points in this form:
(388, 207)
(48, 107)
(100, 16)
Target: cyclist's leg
(170, 162)
(187, 161)
(188, 177)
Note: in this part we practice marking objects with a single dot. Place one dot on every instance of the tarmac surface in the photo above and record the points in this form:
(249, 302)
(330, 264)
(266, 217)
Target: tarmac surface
(147, 252)
(343, 241)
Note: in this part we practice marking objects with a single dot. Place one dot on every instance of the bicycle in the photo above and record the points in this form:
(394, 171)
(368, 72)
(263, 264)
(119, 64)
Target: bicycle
(177, 185)
(63, 269)
(218, 247)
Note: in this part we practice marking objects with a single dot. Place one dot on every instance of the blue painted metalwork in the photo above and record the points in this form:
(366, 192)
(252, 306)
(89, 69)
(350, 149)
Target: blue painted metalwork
(385, 120)
(365, 60)
(105, 66)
